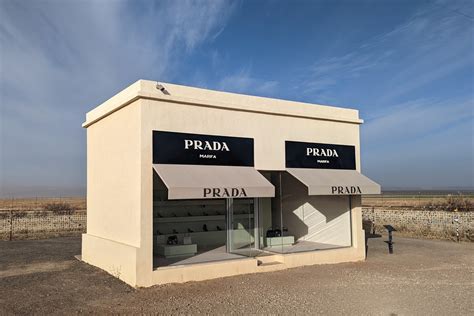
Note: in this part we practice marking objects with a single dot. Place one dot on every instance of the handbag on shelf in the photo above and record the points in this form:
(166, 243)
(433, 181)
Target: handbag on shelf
(273, 233)
(172, 240)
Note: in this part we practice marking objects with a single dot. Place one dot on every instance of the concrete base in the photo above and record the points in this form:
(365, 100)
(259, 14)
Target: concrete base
(120, 260)
(213, 270)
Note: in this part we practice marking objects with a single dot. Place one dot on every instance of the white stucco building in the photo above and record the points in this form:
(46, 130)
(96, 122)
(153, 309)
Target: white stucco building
(190, 184)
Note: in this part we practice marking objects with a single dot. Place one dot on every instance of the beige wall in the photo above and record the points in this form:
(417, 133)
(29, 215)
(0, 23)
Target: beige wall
(114, 193)
(113, 177)
(120, 174)
(269, 131)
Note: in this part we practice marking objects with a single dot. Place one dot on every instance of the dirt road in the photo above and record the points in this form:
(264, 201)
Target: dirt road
(423, 277)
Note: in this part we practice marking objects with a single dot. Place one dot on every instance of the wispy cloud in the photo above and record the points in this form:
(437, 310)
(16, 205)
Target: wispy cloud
(430, 45)
(417, 131)
(243, 82)
(416, 119)
(59, 60)
(412, 82)
(329, 72)
(192, 22)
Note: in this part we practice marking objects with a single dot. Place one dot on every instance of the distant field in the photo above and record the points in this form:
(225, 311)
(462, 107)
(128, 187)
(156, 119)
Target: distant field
(403, 201)
(411, 199)
(388, 199)
(78, 203)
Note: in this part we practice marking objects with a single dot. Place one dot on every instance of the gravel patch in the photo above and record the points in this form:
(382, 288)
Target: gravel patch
(422, 277)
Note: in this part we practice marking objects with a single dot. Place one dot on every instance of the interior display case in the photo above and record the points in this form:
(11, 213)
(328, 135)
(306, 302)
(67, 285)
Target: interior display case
(198, 227)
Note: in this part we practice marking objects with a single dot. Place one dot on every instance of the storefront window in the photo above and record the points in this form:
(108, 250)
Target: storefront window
(301, 222)
(196, 231)
(204, 230)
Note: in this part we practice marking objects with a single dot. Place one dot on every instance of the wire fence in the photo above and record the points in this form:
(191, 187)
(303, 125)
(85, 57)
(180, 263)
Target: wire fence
(31, 224)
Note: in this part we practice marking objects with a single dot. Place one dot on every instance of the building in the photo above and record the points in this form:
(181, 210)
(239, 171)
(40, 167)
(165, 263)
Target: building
(190, 184)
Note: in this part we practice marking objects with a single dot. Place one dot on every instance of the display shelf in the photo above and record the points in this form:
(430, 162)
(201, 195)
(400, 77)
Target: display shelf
(187, 203)
(207, 218)
(181, 234)
(189, 234)
(200, 238)
(189, 219)
(209, 238)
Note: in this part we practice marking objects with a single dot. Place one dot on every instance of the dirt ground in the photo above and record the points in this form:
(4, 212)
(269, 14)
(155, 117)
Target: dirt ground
(422, 277)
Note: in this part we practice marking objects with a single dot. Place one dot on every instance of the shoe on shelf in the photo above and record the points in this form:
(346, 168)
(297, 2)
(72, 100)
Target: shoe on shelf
(190, 230)
(204, 227)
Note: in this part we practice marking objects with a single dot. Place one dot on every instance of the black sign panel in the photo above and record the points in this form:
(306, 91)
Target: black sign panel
(197, 149)
(320, 156)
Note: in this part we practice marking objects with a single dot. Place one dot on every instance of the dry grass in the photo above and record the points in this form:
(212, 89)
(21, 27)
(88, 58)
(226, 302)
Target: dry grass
(23, 204)
(420, 201)
(453, 203)
(384, 200)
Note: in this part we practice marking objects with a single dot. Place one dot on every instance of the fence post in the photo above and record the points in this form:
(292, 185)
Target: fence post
(373, 220)
(11, 225)
(456, 223)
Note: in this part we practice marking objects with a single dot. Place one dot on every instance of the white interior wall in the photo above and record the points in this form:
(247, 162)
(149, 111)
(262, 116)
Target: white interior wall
(317, 218)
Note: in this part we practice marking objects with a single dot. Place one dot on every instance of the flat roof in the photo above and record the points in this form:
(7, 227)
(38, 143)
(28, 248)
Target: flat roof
(147, 89)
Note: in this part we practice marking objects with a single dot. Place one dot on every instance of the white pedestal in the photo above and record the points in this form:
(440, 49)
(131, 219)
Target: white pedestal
(279, 241)
(172, 251)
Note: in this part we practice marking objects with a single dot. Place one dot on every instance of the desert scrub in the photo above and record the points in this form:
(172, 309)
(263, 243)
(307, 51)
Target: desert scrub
(20, 214)
(42, 213)
(59, 208)
(452, 203)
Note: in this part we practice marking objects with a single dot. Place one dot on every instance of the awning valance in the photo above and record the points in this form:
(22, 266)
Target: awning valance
(334, 182)
(213, 182)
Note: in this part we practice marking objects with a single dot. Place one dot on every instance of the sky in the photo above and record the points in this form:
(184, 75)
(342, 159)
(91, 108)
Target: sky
(407, 66)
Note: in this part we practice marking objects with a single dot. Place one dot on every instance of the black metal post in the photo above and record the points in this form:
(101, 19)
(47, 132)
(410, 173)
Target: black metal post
(390, 229)
(390, 243)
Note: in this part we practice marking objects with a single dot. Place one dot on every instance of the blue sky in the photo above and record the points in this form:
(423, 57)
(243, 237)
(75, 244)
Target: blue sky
(408, 66)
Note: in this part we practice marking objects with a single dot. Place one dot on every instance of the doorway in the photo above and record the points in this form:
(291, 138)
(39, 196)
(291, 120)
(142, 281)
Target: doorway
(243, 229)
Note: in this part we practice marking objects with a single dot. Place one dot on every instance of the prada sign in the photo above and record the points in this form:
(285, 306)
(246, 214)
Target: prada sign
(346, 190)
(320, 156)
(224, 193)
(198, 149)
